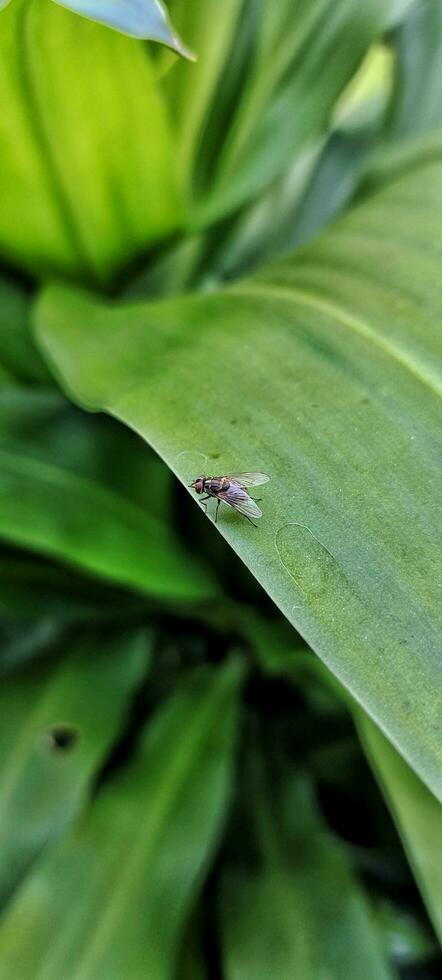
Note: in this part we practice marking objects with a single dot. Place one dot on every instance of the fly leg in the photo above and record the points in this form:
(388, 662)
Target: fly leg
(249, 520)
(217, 509)
(202, 502)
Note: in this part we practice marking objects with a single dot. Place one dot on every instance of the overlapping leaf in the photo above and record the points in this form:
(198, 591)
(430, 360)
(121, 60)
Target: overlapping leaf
(139, 18)
(289, 905)
(417, 813)
(79, 701)
(136, 859)
(267, 79)
(86, 168)
(66, 492)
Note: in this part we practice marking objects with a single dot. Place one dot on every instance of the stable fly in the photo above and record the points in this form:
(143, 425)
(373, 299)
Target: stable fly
(231, 489)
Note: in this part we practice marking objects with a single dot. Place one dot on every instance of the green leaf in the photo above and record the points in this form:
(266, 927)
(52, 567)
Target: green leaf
(42, 423)
(138, 18)
(417, 813)
(274, 93)
(32, 589)
(18, 355)
(86, 492)
(412, 129)
(57, 724)
(416, 105)
(79, 206)
(212, 29)
(289, 906)
(318, 183)
(22, 639)
(321, 372)
(137, 858)
(50, 510)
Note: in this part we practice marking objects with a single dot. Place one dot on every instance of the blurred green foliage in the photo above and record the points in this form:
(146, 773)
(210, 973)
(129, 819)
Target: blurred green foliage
(186, 791)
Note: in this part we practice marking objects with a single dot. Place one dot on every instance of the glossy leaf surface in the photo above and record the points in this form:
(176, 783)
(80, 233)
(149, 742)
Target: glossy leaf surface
(324, 373)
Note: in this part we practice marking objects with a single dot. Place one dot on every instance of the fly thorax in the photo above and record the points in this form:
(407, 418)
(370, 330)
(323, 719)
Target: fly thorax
(216, 484)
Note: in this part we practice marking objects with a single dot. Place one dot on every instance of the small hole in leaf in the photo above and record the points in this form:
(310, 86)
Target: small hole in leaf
(61, 738)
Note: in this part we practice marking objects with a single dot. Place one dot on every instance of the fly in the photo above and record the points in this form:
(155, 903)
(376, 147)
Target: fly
(231, 489)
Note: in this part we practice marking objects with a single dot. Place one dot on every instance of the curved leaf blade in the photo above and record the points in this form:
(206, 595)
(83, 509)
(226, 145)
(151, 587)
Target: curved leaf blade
(289, 905)
(56, 512)
(417, 813)
(87, 493)
(156, 825)
(139, 18)
(322, 372)
(42, 787)
(416, 104)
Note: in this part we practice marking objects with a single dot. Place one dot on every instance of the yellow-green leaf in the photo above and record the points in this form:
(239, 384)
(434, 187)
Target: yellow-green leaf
(86, 166)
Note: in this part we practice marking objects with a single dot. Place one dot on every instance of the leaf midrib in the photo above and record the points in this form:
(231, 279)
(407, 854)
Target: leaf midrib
(354, 323)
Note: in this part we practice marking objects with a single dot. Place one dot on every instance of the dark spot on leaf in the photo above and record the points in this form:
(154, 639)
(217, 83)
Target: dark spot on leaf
(365, 401)
(214, 455)
(62, 737)
(233, 421)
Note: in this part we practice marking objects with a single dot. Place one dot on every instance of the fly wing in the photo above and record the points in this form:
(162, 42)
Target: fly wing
(248, 479)
(240, 500)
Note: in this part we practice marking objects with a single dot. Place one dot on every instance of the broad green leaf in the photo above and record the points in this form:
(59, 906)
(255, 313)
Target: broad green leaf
(139, 18)
(323, 373)
(43, 785)
(417, 813)
(53, 511)
(135, 861)
(289, 905)
(79, 206)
